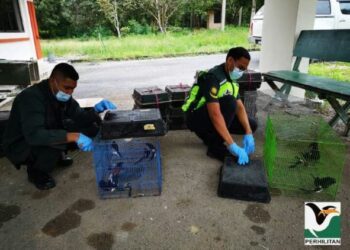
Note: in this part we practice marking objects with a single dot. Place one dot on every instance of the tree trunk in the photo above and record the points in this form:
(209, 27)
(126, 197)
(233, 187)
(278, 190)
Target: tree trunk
(253, 10)
(223, 15)
(116, 19)
(118, 25)
(159, 17)
(240, 16)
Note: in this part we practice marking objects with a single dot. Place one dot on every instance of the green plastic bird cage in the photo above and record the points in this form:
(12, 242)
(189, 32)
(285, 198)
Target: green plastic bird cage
(303, 155)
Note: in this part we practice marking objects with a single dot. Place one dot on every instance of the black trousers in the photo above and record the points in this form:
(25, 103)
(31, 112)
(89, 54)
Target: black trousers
(45, 158)
(199, 122)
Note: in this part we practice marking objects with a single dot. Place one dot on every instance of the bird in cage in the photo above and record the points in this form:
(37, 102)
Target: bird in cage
(320, 184)
(308, 157)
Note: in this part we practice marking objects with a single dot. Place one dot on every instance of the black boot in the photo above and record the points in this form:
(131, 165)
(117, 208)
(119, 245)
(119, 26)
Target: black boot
(40, 179)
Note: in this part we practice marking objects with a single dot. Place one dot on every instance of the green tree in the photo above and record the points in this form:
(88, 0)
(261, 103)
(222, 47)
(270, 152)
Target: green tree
(116, 12)
(161, 10)
(80, 21)
(52, 18)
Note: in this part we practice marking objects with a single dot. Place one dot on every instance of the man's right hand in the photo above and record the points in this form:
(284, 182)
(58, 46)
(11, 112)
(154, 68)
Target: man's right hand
(239, 152)
(85, 143)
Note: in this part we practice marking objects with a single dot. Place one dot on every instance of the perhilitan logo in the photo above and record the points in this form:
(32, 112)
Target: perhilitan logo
(322, 223)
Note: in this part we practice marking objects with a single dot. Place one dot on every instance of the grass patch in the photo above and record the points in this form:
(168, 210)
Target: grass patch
(333, 70)
(337, 71)
(154, 45)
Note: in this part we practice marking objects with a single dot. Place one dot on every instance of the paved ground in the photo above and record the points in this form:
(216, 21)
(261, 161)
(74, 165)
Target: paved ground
(187, 215)
(116, 80)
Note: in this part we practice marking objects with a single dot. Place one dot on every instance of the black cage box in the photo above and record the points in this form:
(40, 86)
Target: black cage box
(150, 98)
(250, 80)
(132, 123)
(247, 183)
(178, 93)
(150, 95)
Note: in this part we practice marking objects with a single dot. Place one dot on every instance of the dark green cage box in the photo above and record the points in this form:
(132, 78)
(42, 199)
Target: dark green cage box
(176, 118)
(250, 80)
(132, 123)
(150, 96)
(248, 85)
(304, 156)
(246, 183)
(178, 92)
(163, 108)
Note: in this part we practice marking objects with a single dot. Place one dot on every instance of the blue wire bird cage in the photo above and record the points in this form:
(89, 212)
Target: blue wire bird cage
(128, 167)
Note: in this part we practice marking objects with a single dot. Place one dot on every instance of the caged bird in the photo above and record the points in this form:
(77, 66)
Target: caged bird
(307, 158)
(320, 184)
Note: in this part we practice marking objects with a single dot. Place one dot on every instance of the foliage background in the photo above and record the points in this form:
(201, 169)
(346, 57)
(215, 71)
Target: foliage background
(89, 18)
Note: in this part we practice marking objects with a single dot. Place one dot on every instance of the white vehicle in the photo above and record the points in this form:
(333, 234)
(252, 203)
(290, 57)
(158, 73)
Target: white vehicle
(330, 14)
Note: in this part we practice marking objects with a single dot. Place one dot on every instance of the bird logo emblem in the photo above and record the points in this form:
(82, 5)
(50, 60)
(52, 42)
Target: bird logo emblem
(318, 217)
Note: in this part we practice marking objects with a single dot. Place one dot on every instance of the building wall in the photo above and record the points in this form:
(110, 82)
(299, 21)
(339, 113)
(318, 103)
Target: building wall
(283, 21)
(211, 24)
(19, 46)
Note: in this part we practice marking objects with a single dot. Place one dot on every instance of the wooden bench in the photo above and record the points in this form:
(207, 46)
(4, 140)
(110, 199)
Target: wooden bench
(323, 45)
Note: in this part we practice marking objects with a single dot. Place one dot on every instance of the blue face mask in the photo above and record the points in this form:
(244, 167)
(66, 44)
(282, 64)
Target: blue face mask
(236, 73)
(62, 97)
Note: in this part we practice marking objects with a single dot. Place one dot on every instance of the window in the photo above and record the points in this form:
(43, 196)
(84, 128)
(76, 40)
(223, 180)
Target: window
(345, 7)
(217, 16)
(323, 7)
(10, 16)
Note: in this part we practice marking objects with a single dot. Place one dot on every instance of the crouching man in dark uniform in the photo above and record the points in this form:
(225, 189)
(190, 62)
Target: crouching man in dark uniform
(214, 110)
(44, 121)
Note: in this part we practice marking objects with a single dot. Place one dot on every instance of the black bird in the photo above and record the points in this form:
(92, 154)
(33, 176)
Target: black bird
(149, 153)
(320, 184)
(116, 149)
(307, 158)
(323, 183)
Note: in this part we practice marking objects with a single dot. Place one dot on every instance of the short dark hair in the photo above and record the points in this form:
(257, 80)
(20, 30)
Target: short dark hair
(66, 70)
(237, 53)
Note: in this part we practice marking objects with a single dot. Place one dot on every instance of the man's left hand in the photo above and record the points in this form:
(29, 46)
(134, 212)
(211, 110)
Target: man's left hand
(104, 105)
(249, 143)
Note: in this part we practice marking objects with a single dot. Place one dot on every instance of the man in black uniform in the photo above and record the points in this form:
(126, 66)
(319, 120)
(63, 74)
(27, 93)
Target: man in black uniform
(44, 121)
(214, 109)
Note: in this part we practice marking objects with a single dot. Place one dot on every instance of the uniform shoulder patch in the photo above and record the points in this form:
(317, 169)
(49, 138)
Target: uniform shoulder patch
(214, 92)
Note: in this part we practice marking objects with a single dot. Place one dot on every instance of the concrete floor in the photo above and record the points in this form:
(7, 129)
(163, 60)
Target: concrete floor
(187, 215)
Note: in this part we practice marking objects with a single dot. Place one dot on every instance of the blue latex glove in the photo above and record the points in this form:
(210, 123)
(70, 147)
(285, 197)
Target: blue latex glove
(249, 143)
(240, 152)
(85, 143)
(104, 105)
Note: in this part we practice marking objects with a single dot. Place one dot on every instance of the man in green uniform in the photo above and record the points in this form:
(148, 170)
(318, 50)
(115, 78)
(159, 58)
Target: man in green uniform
(44, 121)
(214, 110)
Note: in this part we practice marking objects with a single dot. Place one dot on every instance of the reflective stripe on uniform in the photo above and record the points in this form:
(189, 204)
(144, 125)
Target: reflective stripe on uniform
(227, 88)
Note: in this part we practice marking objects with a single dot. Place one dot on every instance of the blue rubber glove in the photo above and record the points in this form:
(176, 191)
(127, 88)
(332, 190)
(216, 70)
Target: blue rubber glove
(104, 105)
(249, 143)
(85, 143)
(240, 152)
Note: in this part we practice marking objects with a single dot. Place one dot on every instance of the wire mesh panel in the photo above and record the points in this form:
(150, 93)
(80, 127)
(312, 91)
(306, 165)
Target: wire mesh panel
(303, 155)
(128, 167)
